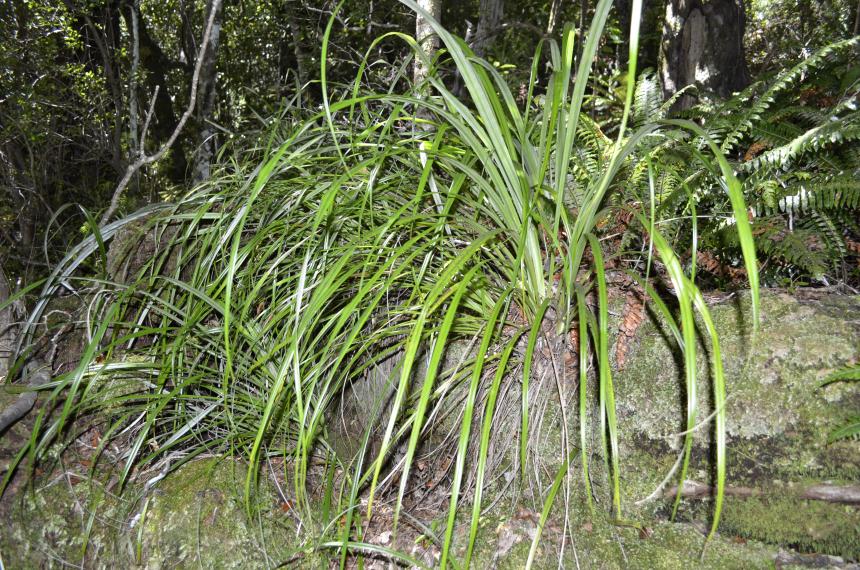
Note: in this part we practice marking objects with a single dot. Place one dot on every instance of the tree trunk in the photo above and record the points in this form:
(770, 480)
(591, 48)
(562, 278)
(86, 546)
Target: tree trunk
(703, 45)
(206, 99)
(583, 11)
(425, 36)
(99, 28)
(857, 20)
(24, 196)
(303, 59)
(553, 16)
(8, 327)
(489, 20)
(624, 9)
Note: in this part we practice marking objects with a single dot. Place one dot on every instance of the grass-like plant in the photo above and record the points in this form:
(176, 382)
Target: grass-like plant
(361, 236)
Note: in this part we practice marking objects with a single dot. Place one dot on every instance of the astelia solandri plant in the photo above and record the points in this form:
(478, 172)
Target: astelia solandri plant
(386, 226)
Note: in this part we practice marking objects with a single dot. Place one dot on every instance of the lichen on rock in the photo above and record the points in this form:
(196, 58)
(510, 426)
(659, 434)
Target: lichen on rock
(778, 415)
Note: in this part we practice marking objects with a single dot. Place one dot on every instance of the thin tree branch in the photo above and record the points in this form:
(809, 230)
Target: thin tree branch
(344, 22)
(143, 159)
(553, 16)
(112, 79)
(132, 89)
(148, 118)
(827, 492)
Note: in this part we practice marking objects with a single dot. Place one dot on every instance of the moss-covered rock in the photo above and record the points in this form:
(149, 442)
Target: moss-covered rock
(505, 542)
(779, 417)
(65, 521)
(808, 526)
(194, 518)
(773, 381)
(197, 517)
(138, 244)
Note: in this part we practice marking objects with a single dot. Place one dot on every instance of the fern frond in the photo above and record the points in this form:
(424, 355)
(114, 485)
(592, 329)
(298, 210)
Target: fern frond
(783, 82)
(846, 374)
(851, 430)
(815, 139)
(800, 248)
(648, 100)
(841, 193)
(825, 227)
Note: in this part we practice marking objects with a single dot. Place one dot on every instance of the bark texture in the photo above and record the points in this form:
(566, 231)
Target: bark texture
(703, 45)
(206, 146)
(425, 36)
(157, 67)
(489, 22)
(8, 327)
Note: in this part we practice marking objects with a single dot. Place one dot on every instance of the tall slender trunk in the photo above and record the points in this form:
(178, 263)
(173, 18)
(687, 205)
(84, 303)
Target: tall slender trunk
(23, 193)
(857, 20)
(156, 66)
(552, 21)
(99, 26)
(489, 20)
(303, 59)
(426, 38)
(623, 48)
(8, 328)
(583, 12)
(206, 95)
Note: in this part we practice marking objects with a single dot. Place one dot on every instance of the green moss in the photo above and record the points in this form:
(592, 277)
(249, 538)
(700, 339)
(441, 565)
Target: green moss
(196, 517)
(773, 384)
(778, 423)
(669, 546)
(61, 523)
(137, 244)
(778, 416)
(598, 544)
(809, 526)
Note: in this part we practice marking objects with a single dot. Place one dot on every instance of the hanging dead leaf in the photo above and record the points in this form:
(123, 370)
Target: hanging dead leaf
(707, 261)
(634, 314)
(754, 150)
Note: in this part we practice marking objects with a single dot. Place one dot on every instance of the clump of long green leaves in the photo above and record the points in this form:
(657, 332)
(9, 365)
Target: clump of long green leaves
(361, 236)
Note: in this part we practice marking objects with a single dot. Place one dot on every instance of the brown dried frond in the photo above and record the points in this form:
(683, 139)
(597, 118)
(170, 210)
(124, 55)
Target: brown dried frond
(633, 315)
(707, 261)
(754, 150)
